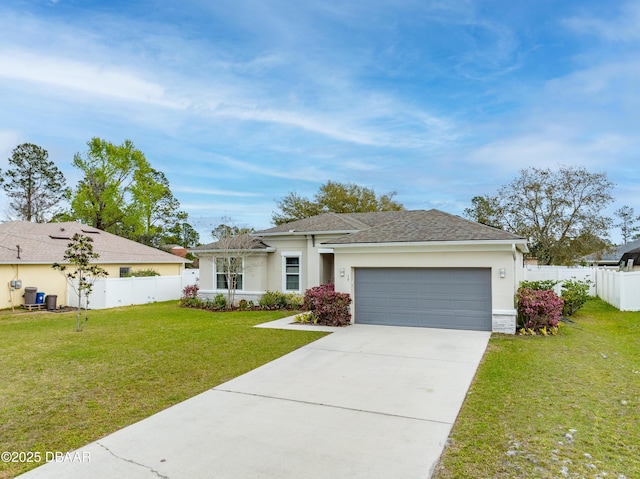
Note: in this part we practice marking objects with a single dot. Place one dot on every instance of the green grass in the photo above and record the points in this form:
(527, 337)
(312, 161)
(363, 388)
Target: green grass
(553, 407)
(60, 389)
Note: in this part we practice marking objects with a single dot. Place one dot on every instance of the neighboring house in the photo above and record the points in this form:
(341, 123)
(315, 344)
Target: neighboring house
(631, 260)
(408, 268)
(28, 251)
(613, 255)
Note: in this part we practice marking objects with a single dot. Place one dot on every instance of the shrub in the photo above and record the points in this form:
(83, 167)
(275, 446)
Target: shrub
(243, 305)
(273, 300)
(541, 285)
(268, 300)
(141, 273)
(330, 308)
(308, 317)
(219, 301)
(190, 296)
(538, 310)
(574, 293)
(294, 301)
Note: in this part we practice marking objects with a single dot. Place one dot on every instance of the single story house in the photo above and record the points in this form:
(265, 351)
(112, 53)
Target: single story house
(408, 268)
(613, 256)
(630, 260)
(28, 251)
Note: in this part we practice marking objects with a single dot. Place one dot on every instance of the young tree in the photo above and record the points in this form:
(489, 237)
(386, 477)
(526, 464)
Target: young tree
(81, 274)
(559, 210)
(35, 186)
(628, 223)
(234, 246)
(334, 197)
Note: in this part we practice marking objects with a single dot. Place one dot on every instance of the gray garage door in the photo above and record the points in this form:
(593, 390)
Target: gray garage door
(453, 298)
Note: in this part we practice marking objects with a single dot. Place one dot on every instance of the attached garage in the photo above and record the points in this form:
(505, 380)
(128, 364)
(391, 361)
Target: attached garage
(451, 298)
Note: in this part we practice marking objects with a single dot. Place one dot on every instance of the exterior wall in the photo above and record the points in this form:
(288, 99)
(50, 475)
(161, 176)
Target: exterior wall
(312, 271)
(504, 261)
(254, 281)
(43, 277)
(53, 282)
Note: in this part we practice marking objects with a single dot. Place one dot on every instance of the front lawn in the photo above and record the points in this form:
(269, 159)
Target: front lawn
(60, 389)
(554, 407)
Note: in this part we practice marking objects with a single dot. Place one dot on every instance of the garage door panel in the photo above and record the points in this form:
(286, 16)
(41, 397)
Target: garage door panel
(458, 298)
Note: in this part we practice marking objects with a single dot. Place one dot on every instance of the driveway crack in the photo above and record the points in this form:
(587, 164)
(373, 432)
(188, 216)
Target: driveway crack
(312, 403)
(157, 473)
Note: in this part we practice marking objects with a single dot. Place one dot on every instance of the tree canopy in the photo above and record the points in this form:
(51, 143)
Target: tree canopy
(628, 223)
(35, 187)
(560, 211)
(336, 198)
(122, 194)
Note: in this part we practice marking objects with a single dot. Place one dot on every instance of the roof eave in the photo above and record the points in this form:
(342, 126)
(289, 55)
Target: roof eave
(269, 249)
(520, 244)
(305, 233)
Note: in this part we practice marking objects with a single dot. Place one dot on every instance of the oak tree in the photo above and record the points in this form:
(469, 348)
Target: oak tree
(336, 198)
(560, 211)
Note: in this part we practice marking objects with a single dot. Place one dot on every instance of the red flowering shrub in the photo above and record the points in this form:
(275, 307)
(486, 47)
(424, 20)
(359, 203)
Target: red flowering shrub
(331, 308)
(538, 309)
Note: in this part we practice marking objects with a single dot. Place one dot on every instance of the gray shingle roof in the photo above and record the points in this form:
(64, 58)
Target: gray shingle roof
(421, 226)
(242, 243)
(47, 242)
(613, 254)
(394, 227)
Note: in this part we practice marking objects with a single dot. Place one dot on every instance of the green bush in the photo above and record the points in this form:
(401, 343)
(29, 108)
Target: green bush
(294, 301)
(575, 293)
(542, 285)
(274, 300)
(308, 317)
(219, 301)
(141, 273)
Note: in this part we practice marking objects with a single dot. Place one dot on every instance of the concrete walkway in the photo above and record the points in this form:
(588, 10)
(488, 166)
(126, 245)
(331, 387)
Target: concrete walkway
(364, 402)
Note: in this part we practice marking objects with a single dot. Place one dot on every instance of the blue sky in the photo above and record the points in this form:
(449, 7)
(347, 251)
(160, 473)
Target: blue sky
(241, 102)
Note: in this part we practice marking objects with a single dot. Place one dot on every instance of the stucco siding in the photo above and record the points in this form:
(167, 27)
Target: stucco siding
(50, 281)
(505, 265)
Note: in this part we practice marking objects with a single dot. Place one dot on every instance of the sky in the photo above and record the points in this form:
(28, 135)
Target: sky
(241, 102)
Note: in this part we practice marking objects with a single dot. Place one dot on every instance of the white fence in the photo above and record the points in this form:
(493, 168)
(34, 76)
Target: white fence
(560, 273)
(620, 289)
(113, 292)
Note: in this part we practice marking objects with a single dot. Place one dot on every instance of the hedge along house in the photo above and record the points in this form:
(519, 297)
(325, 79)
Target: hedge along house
(406, 268)
(28, 251)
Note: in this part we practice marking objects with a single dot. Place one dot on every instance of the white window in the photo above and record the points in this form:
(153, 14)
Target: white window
(229, 270)
(291, 271)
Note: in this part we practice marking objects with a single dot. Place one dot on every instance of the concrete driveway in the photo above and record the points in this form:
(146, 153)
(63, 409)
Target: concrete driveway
(364, 402)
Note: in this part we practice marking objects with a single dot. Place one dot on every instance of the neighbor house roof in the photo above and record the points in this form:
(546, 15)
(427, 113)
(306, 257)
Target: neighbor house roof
(634, 254)
(45, 243)
(394, 227)
(242, 242)
(614, 254)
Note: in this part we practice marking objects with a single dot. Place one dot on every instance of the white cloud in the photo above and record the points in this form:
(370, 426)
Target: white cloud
(214, 192)
(89, 77)
(624, 28)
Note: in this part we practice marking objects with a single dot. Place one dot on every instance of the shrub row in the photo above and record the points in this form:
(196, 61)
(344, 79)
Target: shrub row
(540, 308)
(270, 300)
(323, 305)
